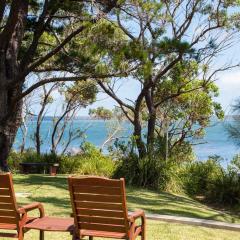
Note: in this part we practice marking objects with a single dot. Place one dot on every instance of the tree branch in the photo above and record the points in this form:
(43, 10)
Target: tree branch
(56, 49)
(40, 28)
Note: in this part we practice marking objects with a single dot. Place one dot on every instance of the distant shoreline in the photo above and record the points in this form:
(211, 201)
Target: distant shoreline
(49, 118)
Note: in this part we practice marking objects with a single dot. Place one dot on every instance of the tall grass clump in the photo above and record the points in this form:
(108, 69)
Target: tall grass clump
(212, 181)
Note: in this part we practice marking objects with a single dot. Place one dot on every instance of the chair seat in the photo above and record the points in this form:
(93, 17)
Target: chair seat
(95, 233)
(52, 224)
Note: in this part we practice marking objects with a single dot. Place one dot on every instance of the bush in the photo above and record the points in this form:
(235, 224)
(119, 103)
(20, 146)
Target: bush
(150, 172)
(225, 190)
(14, 160)
(91, 161)
(211, 180)
(198, 176)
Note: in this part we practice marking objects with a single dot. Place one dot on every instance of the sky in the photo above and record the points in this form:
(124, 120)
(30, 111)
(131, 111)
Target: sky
(228, 83)
(229, 89)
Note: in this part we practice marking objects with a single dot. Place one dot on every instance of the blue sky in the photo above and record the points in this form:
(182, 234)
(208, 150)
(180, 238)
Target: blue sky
(228, 83)
(229, 88)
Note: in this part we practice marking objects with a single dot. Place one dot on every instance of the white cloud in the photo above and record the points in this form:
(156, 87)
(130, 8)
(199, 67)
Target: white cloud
(229, 88)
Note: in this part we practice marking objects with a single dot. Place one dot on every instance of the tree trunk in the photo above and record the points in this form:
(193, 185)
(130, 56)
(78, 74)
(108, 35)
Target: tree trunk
(11, 78)
(151, 121)
(38, 138)
(151, 130)
(10, 120)
(138, 137)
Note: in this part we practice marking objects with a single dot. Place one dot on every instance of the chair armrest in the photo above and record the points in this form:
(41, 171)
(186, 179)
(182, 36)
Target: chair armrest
(32, 206)
(135, 215)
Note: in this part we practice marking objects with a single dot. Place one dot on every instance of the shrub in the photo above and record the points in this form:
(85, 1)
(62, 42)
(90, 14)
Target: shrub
(152, 171)
(198, 176)
(31, 156)
(90, 162)
(225, 190)
(14, 160)
(210, 179)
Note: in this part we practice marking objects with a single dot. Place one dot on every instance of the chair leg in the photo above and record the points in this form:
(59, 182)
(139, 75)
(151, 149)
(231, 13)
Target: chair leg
(41, 235)
(20, 235)
(74, 236)
(143, 235)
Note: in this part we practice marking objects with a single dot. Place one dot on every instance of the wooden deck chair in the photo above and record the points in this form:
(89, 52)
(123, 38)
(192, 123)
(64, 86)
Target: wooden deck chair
(11, 216)
(100, 210)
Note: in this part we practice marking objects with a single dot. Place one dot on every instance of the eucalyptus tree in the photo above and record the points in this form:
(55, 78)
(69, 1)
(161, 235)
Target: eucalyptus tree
(76, 96)
(172, 46)
(181, 121)
(101, 113)
(34, 35)
(114, 120)
(27, 114)
(46, 99)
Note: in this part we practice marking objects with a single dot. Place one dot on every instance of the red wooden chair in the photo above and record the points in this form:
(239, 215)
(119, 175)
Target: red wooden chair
(100, 210)
(11, 216)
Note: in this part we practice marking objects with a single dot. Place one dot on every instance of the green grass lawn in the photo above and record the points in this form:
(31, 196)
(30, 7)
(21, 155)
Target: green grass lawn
(53, 193)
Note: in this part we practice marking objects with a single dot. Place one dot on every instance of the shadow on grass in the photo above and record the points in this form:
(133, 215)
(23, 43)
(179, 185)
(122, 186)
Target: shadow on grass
(59, 206)
(170, 204)
(31, 180)
(150, 201)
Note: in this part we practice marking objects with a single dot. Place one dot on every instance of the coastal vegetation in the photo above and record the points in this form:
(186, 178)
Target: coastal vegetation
(169, 50)
(207, 181)
(77, 49)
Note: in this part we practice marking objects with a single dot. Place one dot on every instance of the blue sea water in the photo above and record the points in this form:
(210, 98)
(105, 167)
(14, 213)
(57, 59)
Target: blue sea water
(215, 142)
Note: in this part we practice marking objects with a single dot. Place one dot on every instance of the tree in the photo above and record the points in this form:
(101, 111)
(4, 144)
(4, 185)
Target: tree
(33, 36)
(101, 113)
(45, 100)
(114, 125)
(183, 119)
(76, 96)
(172, 46)
(27, 114)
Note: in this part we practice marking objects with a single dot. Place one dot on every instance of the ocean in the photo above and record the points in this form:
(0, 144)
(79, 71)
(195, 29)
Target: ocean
(215, 142)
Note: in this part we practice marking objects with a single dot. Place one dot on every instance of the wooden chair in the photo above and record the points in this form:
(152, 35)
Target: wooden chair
(100, 210)
(11, 216)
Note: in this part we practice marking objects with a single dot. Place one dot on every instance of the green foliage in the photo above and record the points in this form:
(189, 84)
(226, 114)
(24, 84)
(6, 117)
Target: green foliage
(89, 162)
(153, 171)
(81, 93)
(101, 113)
(198, 176)
(14, 159)
(211, 180)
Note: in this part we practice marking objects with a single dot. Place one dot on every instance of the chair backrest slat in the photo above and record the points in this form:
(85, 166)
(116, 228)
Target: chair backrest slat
(8, 207)
(99, 204)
